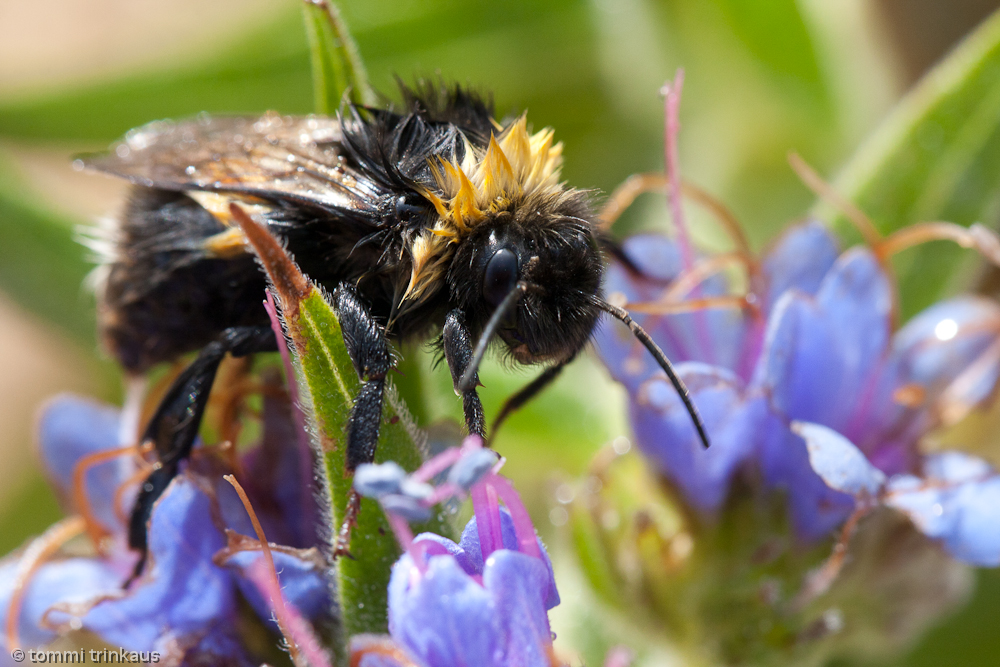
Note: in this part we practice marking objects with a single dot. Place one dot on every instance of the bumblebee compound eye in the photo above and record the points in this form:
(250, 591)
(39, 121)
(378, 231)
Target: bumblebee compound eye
(501, 276)
(408, 205)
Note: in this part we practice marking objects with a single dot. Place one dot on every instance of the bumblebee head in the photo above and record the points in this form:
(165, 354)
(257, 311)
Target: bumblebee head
(534, 267)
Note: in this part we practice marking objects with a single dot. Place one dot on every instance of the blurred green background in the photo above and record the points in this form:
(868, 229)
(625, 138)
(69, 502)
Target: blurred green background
(763, 78)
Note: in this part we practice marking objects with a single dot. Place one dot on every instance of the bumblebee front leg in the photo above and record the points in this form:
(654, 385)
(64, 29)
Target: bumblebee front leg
(174, 426)
(458, 352)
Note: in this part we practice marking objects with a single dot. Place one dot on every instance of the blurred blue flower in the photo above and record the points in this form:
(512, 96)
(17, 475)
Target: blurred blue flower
(483, 601)
(955, 498)
(185, 604)
(805, 334)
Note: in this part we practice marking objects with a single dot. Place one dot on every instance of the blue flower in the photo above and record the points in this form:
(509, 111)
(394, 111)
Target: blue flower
(809, 338)
(186, 603)
(954, 499)
(466, 607)
(483, 601)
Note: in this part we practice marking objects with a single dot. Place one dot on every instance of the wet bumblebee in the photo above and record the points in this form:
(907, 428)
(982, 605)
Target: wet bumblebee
(432, 217)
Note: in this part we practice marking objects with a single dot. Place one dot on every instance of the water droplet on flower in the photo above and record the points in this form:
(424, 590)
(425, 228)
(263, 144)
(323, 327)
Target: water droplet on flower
(946, 329)
(190, 170)
(621, 445)
(558, 516)
(565, 494)
(122, 151)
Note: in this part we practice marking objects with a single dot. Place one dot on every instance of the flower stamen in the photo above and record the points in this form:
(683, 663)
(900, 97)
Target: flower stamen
(977, 237)
(95, 531)
(692, 305)
(637, 184)
(689, 280)
(145, 467)
(38, 552)
(277, 599)
(812, 180)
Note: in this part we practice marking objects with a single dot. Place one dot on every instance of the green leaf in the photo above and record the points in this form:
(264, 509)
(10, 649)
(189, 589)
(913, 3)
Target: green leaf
(777, 38)
(936, 157)
(331, 383)
(41, 266)
(337, 67)
(263, 69)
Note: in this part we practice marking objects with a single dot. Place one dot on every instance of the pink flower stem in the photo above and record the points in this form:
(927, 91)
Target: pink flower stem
(437, 464)
(525, 530)
(298, 629)
(401, 529)
(672, 128)
(487, 508)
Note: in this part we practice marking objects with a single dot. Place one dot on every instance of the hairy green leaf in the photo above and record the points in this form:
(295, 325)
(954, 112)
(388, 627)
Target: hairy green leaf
(331, 384)
(41, 266)
(936, 157)
(337, 67)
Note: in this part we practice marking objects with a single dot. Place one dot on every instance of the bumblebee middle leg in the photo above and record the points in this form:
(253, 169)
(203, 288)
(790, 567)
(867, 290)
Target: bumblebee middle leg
(174, 426)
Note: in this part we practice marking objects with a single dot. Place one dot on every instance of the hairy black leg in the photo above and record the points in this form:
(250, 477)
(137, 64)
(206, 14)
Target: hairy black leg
(458, 353)
(532, 389)
(174, 426)
(368, 348)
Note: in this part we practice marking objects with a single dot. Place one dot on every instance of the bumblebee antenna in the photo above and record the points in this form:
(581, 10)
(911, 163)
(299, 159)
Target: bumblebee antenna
(661, 359)
(509, 301)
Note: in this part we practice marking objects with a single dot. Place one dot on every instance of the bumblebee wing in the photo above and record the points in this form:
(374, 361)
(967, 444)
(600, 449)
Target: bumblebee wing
(271, 157)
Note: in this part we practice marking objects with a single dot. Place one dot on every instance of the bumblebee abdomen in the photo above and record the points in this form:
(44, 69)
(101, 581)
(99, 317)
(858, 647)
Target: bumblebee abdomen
(163, 295)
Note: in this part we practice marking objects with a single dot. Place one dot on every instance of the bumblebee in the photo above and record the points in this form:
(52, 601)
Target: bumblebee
(430, 218)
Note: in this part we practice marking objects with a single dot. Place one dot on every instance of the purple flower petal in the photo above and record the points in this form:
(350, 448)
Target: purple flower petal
(666, 434)
(821, 355)
(799, 260)
(303, 583)
(955, 467)
(713, 335)
(445, 618)
(182, 592)
(71, 581)
(517, 582)
(279, 480)
(841, 465)
(471, 556)
(958, 503)
(657, 257)
(71, 428)
(816, 509)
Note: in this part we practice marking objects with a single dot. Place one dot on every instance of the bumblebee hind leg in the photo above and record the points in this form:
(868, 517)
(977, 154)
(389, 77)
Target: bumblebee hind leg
(174, 426)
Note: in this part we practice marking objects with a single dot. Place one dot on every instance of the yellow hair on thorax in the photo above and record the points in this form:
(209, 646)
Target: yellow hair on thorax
(515, 165)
